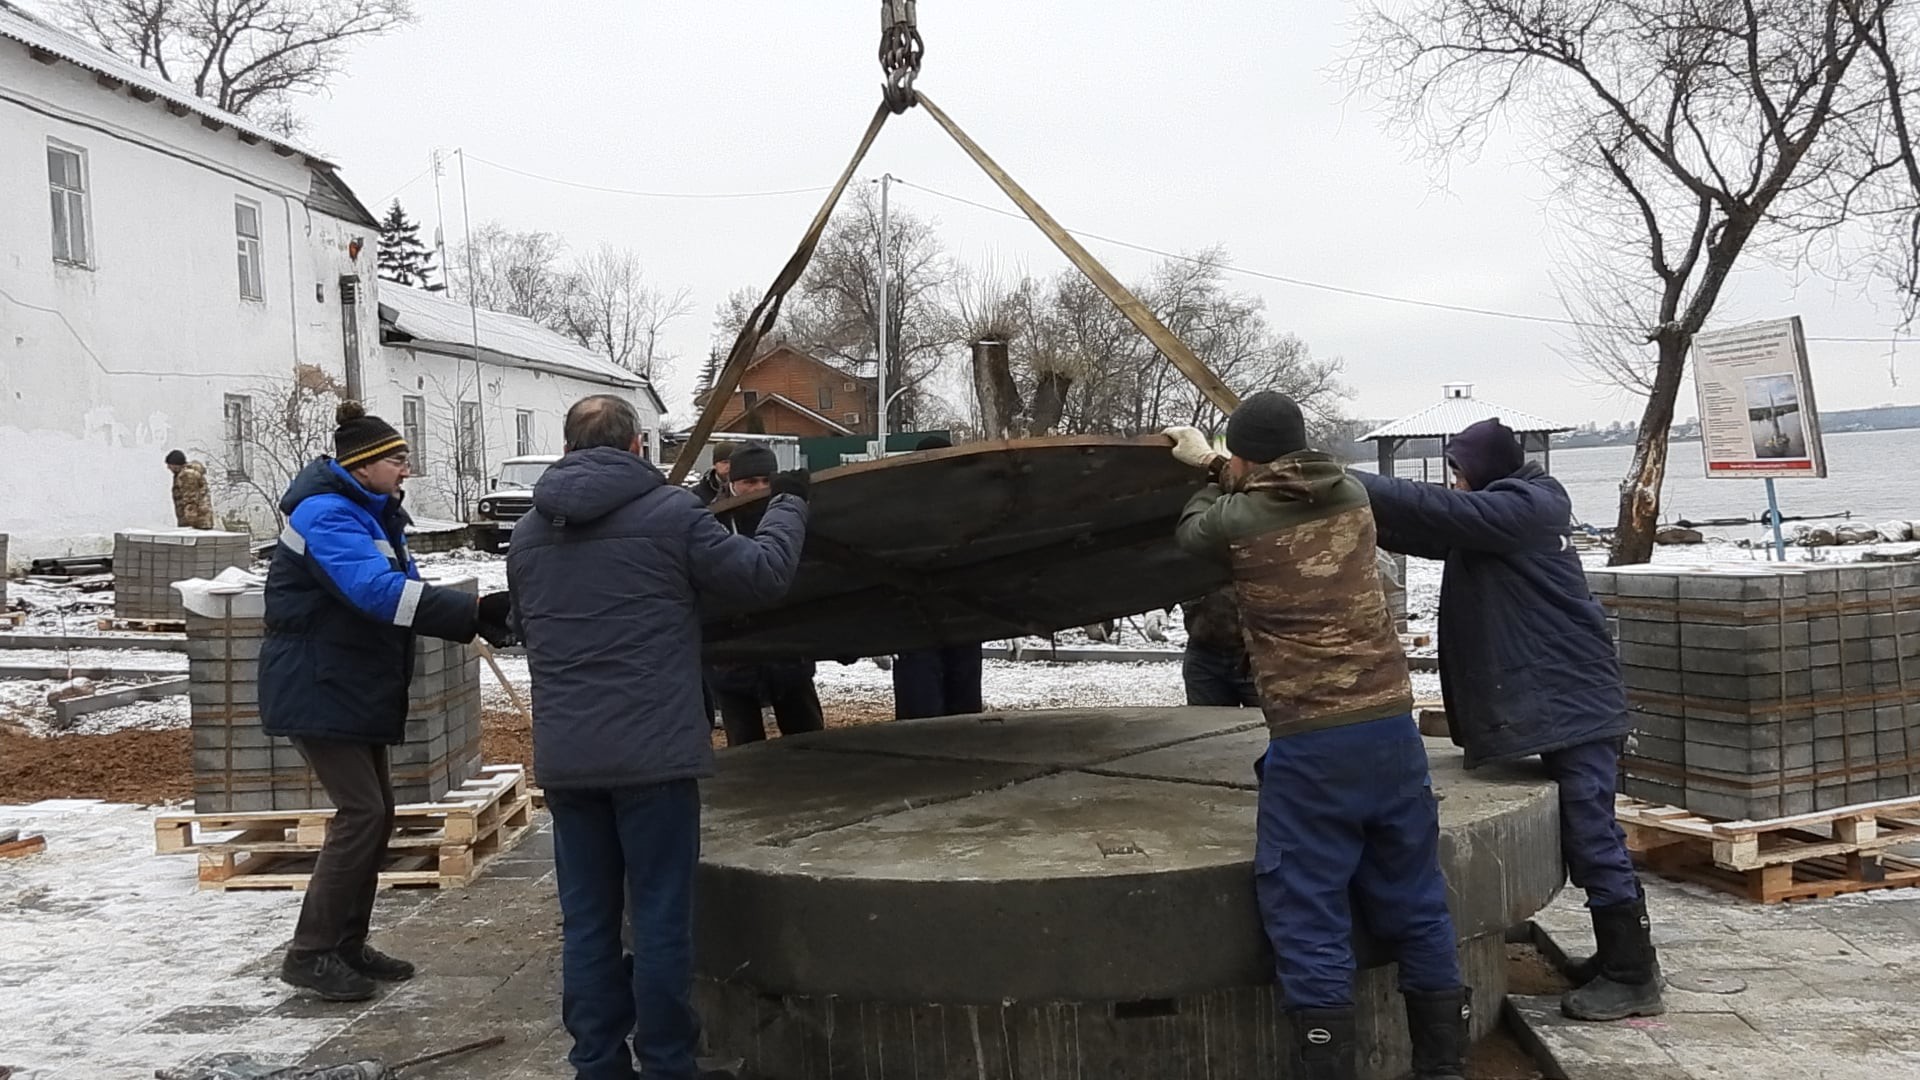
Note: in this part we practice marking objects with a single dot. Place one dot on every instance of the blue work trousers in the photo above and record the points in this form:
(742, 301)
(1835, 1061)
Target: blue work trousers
(1348, 828)
(1591, 840)
(1215, 678)
(943, 681)
(610, 845)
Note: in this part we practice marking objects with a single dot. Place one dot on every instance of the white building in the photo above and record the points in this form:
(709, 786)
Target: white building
(165, 270)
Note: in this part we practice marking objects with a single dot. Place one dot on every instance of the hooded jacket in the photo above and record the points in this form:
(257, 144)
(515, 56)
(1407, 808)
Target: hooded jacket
(608, 573)
(343, 601)
(192, 503)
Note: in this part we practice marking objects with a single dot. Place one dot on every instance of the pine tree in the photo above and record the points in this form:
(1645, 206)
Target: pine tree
(403, 258)
(709, 373)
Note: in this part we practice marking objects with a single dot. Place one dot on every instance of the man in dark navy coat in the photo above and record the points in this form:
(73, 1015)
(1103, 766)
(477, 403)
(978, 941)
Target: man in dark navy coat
(1527, 667)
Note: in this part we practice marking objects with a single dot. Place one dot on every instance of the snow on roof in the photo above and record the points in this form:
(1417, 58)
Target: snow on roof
(435, 323)
(1449, 417)
(43, 36)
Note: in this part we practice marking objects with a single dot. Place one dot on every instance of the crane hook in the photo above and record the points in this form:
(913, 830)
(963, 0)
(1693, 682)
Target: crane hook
(901, 49)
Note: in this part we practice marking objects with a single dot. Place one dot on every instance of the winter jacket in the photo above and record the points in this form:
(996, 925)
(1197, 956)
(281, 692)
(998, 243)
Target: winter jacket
(762, 680)
(344, 600)
(192, 503)
(1213, 623)
(1300, 539)
(711, 488)
(608, 573)
(1526, 663)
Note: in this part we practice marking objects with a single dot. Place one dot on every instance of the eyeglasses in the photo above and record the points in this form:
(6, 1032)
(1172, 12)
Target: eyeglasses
(401, 459)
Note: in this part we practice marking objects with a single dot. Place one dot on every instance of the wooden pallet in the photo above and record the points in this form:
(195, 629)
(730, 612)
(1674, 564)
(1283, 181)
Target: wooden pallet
(444, 844)
(1787, 858)
(144, 626)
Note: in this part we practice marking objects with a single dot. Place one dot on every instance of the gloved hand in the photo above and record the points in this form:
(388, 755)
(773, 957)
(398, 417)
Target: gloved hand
(495, 623)
(1190, 447)
(795, 482)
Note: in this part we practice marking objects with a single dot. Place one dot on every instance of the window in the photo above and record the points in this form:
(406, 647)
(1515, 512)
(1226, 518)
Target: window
(470, 438)
(246, 226)
(67, 183)
(826, 398)
(239, 432)
(522, 432)
(413, 428)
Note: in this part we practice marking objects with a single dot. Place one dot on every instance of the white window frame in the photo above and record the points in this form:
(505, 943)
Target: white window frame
(413, 428)
(250, 255)
(68, 197)
(522, 432)
(237, 427)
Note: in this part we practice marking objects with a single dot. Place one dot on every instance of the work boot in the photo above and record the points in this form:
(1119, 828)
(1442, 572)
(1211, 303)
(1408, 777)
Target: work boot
(1438, 1022)
(375, 964)
(1323, 1044)
(326, 974)
(1628, 983)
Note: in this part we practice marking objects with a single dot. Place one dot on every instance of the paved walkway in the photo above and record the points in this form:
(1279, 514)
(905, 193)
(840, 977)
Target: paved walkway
(1823, 990)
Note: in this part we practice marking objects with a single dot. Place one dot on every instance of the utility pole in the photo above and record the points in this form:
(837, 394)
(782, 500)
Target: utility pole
(473, 316)
(880, 396)
(439, 158)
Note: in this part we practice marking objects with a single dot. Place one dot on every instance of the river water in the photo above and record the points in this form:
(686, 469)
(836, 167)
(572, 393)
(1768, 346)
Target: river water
(1874, 474)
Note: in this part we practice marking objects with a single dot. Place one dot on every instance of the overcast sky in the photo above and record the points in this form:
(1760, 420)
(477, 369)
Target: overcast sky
(1175, 126)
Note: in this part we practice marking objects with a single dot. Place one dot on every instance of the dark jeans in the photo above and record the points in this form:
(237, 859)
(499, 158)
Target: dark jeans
(1346, 816)
(338, 907)
(1591, 840)
(627, 851)
(937, 682)
(1218, 678)
(796, 709)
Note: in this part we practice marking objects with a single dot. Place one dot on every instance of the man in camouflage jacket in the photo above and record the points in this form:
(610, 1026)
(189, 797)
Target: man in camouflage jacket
(1346, 809)
(192, 503)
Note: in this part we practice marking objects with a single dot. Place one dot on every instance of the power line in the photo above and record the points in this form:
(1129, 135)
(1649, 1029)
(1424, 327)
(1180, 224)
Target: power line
(645, 194)
(1365, 294)
(387, 198)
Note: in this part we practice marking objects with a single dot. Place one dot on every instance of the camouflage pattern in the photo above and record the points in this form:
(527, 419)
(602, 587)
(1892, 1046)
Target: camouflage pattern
(192, 502)
(1300, 538)
(1213, 622)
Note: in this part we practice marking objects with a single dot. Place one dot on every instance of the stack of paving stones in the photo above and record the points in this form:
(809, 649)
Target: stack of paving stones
(1766, 690)
(146, 564)
(1396, 591)
(238, 768)
(3, 571)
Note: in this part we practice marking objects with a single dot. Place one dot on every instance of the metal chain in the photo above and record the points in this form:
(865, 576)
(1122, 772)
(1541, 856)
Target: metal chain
(900, 51)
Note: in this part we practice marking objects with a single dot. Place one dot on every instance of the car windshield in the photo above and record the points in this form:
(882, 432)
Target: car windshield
(521, 474)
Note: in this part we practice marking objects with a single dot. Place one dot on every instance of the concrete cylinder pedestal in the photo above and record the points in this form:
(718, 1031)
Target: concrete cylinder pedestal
(1038, 896)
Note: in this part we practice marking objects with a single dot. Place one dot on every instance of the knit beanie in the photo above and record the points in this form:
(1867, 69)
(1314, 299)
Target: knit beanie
(361, 438)
(175, 457)
(1485, 452)
(1266, 426)
(752, 461)
(722, 452)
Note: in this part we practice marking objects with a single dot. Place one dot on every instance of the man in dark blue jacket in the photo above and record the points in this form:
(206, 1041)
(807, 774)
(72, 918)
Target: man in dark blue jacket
(944, 680)
(343, 601)
(608, 574)
(1527, 667)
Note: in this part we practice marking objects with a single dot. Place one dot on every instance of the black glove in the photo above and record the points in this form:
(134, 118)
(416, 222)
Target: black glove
(795, 482)
(494, 622)
(497, 636)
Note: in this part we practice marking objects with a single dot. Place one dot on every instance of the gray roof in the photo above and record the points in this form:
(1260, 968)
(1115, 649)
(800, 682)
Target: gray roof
(432, 322)
(330, 195)
(1447, 418)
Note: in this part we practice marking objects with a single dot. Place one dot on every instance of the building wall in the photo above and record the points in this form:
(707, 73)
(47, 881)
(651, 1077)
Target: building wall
(801, 379)
(106, 368)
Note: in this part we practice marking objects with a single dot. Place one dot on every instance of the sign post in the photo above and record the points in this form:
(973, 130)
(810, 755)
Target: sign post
(1758, 420)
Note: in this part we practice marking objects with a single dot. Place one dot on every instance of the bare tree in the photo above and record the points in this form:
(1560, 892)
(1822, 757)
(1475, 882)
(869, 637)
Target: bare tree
(608, 306)
(285, 425)
(513, 272)
(1688, 135)
(249, 57)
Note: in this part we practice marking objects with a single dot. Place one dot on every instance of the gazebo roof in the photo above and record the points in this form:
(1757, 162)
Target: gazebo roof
(1455, 412)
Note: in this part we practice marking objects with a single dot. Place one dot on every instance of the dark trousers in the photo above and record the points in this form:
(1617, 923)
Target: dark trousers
(1218, 678)
(338, 907)
(937, 682)
(628, 851)
(796, 709)
(1591, 840)
(1347, 820)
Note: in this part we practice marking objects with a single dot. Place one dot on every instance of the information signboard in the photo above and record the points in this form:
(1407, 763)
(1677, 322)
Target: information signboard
(1757, 414)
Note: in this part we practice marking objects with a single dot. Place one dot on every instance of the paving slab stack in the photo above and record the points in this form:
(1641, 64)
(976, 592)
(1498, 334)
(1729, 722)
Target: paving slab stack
(3, 571)
(146, 564)
(1396, 591)
(1767, 690)
(238, 768)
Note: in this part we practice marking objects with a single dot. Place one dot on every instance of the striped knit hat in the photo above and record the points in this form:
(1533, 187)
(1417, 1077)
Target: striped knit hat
(361, 438)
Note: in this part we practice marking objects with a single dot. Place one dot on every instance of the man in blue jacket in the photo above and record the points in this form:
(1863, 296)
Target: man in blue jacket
(1527, 667)
(608, 574)
(343, 601)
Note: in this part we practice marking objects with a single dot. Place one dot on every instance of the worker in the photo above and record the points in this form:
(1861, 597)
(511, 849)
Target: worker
(1215, 666)
(608, 572)
(1346, 812)
(343, 602)
(1527, 667)
(743, 690)
(192, 503)
(943, 680)
(713, 485)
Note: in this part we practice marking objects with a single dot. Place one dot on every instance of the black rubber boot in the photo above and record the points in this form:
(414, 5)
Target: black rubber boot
(1438, 1022)
(1323, 1044)
(375, 964)
(327, 975)
(1628, 983)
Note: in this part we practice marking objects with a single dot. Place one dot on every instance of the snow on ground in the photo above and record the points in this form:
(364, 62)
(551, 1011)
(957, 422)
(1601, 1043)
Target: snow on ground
(1027, 684)
(490, 571)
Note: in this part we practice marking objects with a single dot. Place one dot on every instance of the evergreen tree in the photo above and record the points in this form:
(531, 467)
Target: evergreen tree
(403, 258)
(709, 373)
